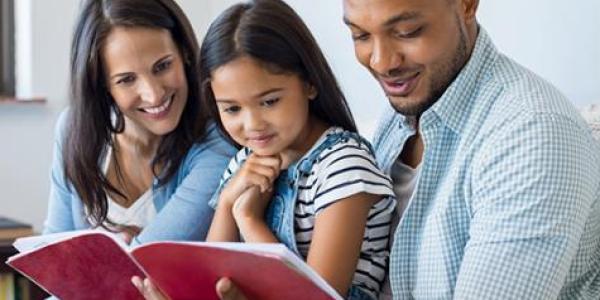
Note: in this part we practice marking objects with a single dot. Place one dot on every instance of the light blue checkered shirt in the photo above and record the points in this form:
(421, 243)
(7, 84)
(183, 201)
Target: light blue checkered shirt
(507, 205)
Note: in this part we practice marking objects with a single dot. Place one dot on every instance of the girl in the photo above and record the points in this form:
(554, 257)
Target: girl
(303, 177)
(135, 144)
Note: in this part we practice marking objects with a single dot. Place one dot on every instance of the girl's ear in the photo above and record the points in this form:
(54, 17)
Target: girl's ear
(312, 92)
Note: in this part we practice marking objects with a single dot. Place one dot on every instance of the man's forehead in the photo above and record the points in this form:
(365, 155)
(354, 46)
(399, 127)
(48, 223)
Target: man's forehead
(386, 12)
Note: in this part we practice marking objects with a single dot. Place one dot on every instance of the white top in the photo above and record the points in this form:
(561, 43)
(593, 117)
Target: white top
(139, 214)
(405, 180)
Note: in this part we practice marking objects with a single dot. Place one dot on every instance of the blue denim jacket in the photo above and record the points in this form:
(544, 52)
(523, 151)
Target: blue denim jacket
(182, 204)
(279, 216)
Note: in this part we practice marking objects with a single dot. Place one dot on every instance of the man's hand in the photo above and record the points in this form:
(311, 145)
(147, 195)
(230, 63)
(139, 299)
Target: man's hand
(148, 289)
(227, 290)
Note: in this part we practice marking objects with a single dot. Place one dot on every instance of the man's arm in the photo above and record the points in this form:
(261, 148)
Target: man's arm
(533, 188)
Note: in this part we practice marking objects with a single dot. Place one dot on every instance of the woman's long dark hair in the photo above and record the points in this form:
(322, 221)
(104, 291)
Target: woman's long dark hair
(273, 35)
(94, 116)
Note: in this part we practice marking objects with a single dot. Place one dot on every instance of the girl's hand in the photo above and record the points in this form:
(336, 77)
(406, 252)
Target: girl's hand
(148, 289)
(250, 205)
(260, 171)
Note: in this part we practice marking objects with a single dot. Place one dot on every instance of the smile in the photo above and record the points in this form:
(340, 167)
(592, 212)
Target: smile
(399, 87)
(160, 110)
(261, 140)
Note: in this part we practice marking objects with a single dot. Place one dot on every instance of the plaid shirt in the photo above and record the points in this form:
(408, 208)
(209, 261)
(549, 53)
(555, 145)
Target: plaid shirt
(508, 202)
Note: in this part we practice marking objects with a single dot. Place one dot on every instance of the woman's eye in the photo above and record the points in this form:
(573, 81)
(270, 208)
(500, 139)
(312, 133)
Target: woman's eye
(165, 65)
(125, 80)
(232, 109)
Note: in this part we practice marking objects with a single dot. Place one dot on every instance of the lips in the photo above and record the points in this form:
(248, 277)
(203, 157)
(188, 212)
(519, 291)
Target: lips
(160, 110)
(399, 87)
(260, 140)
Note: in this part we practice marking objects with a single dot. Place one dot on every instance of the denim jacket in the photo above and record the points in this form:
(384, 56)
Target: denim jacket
(181, 204)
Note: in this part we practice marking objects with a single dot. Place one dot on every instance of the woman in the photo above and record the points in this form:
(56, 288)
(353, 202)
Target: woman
(135, 153)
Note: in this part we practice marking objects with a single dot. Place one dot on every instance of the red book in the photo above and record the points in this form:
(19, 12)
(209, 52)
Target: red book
(94, 265)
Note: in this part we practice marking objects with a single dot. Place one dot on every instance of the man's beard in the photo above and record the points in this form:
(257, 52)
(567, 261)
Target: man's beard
(445, 72)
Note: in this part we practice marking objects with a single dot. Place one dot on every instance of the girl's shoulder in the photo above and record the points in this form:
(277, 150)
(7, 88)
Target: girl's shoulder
(337, 142)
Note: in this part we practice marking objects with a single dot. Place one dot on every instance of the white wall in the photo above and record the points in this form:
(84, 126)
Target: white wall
(558, 39)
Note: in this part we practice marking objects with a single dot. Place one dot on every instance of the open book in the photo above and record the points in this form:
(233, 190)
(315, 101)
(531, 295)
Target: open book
(96, 265)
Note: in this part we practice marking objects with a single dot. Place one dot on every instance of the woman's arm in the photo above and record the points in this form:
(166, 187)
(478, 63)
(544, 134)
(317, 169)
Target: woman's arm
(340, 226)
(186, 214)
(60, 214)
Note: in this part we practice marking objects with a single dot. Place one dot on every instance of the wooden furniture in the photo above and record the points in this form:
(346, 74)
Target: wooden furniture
(6, 251)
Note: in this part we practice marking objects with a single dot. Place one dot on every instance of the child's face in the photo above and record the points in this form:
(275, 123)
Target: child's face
(261, 110)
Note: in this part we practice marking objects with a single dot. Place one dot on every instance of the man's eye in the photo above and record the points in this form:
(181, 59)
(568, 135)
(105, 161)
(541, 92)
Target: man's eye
(360, 37)
(409, 35)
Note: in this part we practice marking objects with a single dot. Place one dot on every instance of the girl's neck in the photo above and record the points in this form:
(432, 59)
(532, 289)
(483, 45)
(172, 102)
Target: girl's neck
(309, 136)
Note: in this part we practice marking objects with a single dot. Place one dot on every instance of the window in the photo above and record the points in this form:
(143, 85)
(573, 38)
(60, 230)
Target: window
(7, 48)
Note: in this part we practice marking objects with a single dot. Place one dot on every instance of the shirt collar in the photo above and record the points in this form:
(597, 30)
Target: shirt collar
(455, 105)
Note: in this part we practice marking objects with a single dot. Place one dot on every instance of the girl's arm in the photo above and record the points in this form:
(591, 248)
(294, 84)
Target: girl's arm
(223, 227)
(337, 238)
(248, 212)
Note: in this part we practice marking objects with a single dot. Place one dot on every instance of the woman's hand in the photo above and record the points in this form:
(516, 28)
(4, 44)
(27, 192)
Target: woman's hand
(227, 290)
(259, 171)
(148, 289)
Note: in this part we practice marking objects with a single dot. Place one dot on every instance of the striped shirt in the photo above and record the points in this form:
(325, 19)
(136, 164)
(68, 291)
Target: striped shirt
(343, 170)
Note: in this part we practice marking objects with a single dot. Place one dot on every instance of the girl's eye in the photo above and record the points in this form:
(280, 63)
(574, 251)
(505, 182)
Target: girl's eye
(125, 80)
(164, 65)
(232, 109)
(270, 102)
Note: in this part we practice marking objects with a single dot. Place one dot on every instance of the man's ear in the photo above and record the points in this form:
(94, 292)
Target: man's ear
(468, 9)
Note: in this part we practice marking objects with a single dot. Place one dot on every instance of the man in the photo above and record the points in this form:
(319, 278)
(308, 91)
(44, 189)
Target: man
(500, 175)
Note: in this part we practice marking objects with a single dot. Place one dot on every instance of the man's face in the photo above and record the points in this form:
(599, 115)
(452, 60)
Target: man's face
(414, 48)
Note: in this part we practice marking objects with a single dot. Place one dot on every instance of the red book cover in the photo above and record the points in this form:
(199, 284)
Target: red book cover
(93, 265)
(191, 271)
(86, 267)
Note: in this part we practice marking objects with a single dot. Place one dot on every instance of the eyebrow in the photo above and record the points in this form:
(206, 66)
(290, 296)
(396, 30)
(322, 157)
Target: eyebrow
(259, 95)
(402, 17)
(163, 58)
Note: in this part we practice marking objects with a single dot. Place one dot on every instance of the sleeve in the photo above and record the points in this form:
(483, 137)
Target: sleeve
(186, 214)
(347, 169)
(533, 189)
(60, 215)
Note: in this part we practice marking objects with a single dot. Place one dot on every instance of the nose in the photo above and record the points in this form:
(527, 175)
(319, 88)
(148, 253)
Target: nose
(385, 56)
(254, 121)
(150, 90)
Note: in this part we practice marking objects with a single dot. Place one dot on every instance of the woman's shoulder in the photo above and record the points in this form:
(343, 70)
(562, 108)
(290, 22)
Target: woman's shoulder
(213, 143)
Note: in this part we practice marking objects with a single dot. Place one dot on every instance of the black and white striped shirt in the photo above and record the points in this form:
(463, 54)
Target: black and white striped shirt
(343, 170)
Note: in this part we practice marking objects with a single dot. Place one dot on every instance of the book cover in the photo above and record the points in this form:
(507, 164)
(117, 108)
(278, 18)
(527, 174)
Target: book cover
(11, 229)
(93, 265)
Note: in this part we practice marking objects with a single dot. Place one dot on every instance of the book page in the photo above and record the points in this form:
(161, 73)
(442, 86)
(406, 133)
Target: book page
(28, 244)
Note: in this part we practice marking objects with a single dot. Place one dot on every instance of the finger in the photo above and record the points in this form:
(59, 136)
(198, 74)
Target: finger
(265, 170)
(228, 291)
(273, 161)
(152, 291)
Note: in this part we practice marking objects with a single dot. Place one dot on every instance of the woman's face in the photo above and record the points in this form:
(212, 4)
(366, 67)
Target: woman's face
(145, 75)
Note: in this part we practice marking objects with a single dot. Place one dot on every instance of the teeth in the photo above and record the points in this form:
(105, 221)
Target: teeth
(159, 109)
